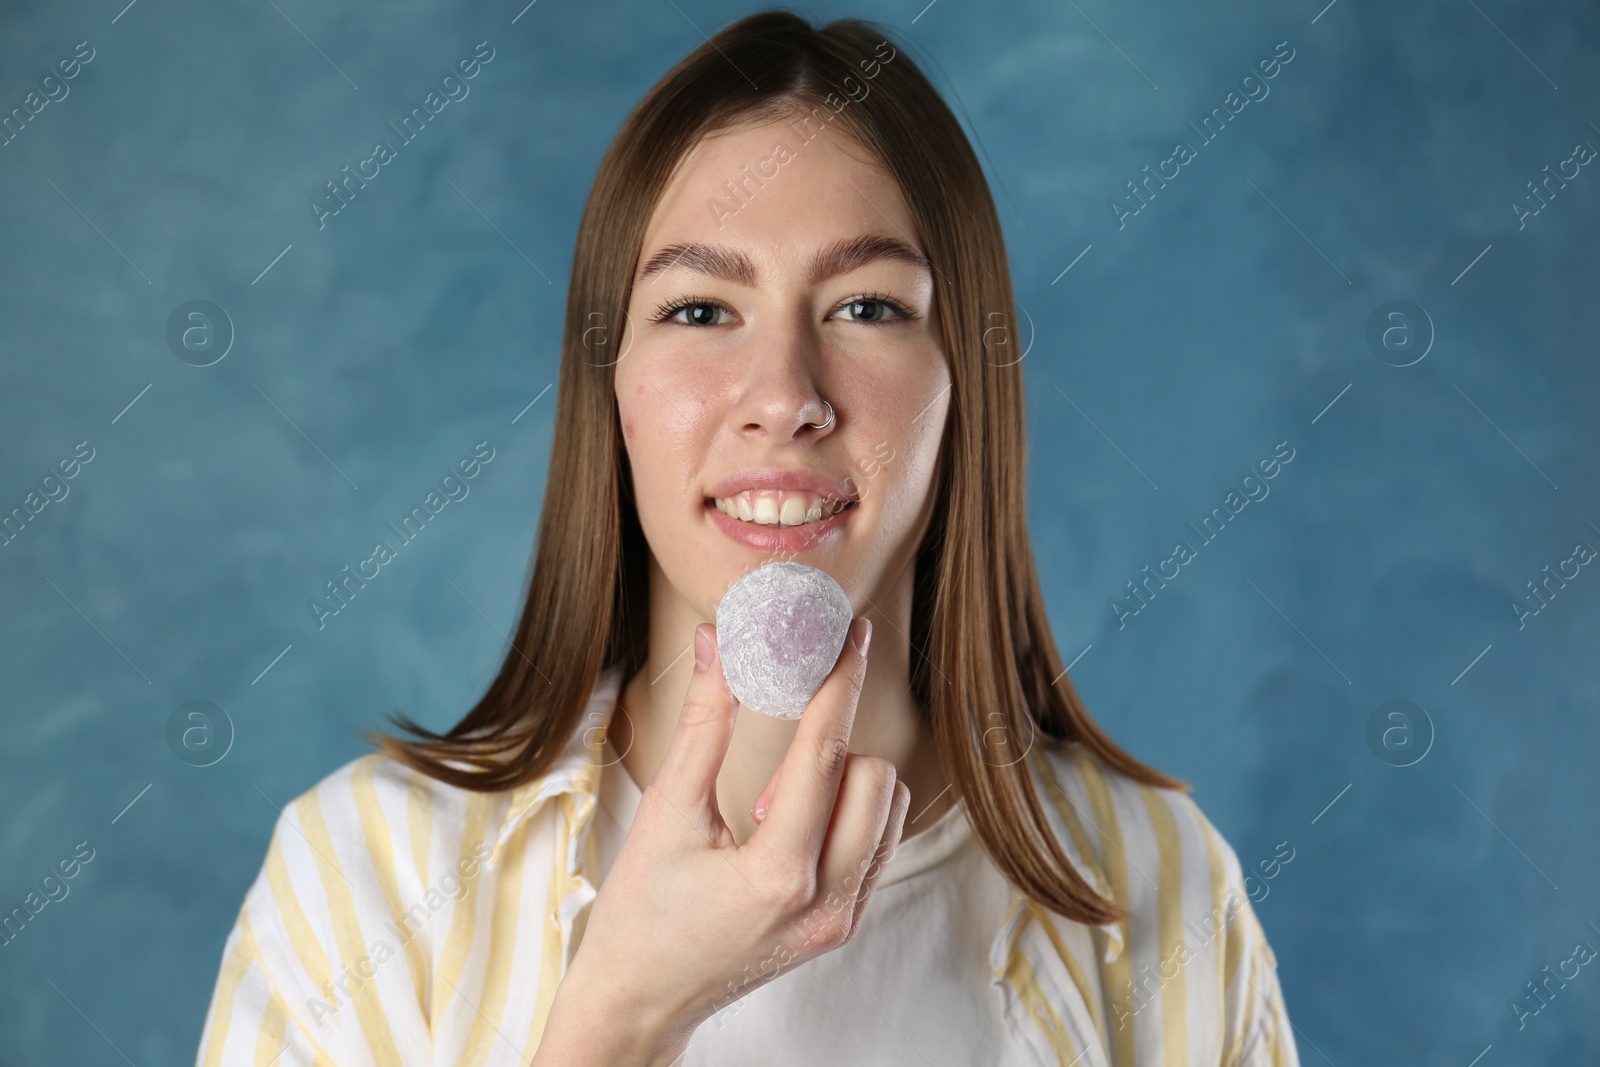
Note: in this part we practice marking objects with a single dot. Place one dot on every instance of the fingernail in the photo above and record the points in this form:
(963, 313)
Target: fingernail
(702, 648)
(759, 814)
(861, 635)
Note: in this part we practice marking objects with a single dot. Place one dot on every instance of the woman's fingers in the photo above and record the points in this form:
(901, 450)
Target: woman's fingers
(688, 773)
(860, 819)
(808, 782)
(892, 831)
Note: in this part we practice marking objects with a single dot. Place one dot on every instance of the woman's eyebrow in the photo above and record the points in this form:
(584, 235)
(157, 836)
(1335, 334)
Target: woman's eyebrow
(734, 266)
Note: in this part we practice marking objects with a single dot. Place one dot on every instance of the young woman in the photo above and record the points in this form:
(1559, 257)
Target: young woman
(788, 336)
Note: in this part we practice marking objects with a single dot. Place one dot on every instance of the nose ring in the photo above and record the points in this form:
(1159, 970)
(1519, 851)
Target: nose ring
(824, 425)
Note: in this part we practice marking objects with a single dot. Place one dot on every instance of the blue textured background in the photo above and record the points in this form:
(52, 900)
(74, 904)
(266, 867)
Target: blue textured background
(1223, 318)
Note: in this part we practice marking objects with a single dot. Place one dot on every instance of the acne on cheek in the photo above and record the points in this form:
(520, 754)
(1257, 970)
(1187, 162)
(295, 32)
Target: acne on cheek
(870, 469)
(630, 432)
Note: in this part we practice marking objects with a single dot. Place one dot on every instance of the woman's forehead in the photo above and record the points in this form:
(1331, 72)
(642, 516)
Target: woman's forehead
(766, 193)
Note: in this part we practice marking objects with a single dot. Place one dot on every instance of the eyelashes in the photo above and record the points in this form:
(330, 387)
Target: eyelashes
(900, 308)
(903, 312)
(663, 312)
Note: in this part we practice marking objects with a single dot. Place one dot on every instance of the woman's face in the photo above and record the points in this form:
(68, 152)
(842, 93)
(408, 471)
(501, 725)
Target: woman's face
(777, 273)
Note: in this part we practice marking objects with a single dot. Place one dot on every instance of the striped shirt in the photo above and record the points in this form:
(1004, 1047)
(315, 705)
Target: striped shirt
(399, 922)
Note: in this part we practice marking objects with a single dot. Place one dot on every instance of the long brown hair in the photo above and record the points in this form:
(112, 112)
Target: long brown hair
(985, 668)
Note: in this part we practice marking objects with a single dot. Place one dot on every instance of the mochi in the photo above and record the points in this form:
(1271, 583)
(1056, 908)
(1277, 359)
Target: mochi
(780, 629)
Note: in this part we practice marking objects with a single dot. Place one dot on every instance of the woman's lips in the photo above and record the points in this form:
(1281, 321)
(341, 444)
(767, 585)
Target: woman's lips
(781, 538)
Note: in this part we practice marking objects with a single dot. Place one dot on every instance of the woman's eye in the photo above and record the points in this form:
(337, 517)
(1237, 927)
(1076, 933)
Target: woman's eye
(868, 310)
(698, 314)
(873, 309)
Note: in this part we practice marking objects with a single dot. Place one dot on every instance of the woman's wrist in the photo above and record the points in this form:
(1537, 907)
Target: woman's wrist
(595, 1020)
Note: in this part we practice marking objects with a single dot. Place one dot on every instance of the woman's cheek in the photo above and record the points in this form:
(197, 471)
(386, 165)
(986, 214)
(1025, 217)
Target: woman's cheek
(911, 472)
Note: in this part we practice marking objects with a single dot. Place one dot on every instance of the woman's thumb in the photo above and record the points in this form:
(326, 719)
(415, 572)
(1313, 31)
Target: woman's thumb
(688, 774)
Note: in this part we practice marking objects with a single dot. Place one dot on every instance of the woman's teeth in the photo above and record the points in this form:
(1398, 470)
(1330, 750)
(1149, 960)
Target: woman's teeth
(778, 509)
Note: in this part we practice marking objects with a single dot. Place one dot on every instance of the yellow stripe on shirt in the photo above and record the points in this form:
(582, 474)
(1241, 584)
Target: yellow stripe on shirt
(1119, 972)
(1042, 1013)
(275, 1002)
(489, 1023)
(451, 959)
(270, 1043)
(347, 930)
(233, 969)
(419, 818)
(380, 844)
(552, 959)
(1218, 902)
(313, 958)
(1169, 927)
(1079, 977)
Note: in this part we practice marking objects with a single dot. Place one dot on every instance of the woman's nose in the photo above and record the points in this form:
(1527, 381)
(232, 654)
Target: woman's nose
(780, 395)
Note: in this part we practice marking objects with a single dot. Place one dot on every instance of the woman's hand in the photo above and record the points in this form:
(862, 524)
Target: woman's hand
(687, 920)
